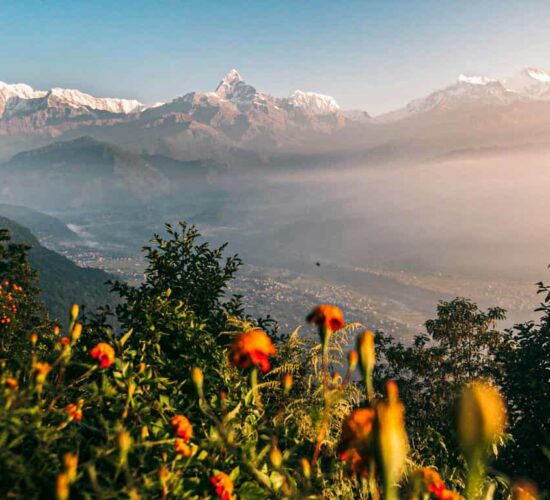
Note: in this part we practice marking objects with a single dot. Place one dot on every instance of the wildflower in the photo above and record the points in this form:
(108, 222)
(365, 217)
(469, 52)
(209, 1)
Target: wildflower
(252, 348)
(431, 481)
(182, 448)
(182, 427)
(74, 412)
(104, 353)
(12, 383)
(392, 443)
(223, 485)
(144, 432)
(56, 330)
(328, 318)
(41, 370)
(34, 338)
(356, 445)
(482, 416)
(64, 341)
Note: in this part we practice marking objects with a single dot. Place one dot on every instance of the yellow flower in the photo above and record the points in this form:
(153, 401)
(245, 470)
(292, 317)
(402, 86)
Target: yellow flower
(482, 416)
(252, 348)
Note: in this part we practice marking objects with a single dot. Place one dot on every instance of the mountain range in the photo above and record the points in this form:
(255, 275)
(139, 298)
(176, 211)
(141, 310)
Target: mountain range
(238, 124)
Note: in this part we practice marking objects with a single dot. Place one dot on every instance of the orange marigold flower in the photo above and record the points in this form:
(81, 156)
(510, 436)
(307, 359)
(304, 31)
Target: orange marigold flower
(41, 370)
(252, 348)
(182, 448)
(327, 316)
(224, 486)
(450, 495)
(356, 445)
(182, 427)
(74, 412)
(12, 383)
(104, 353)
(64, 341)
(432, 481)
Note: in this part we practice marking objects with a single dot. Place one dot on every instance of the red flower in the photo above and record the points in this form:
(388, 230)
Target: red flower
(104, 353)
(224, 486)
(252, 348)
(182, 427)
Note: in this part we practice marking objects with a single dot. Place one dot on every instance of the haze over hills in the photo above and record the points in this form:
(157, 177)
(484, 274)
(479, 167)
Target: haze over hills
(238, 124)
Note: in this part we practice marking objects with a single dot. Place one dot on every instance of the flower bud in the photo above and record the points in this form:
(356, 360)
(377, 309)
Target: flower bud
(275, 456)
(482, 416)
(74, 312)
(353, 359)
(306, 467)
(287, 382)
(76, 332)
(34, 338)
(367, 354)
(524, 490)
(391, 437)
(144, 432)
(56, 330)
(70, 461)
(198, 379)
(62, 487)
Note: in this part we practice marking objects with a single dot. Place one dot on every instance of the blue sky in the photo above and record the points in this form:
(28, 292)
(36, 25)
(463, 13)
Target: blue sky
(372, 55)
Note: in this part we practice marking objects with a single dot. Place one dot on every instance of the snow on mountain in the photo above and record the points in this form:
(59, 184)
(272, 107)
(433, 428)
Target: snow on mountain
(474, 80)
(76, 99)
(317, 103)
(21, 98)
(9, 92)
(234, 88)
(532, 83)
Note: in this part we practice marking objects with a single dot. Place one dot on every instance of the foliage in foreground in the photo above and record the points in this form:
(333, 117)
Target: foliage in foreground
(193, 399)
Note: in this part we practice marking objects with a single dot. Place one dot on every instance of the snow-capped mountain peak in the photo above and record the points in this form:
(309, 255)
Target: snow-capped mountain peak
(19, 90)
(537, 74)
(475, 80)
(234, 88)
(77, 99)
(317, 103)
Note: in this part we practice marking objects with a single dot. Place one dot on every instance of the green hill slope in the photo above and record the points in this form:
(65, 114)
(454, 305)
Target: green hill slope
(62, 282)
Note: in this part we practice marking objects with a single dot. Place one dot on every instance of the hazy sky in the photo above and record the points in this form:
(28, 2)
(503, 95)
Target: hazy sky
(372, 55)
